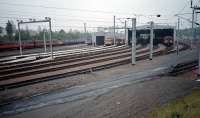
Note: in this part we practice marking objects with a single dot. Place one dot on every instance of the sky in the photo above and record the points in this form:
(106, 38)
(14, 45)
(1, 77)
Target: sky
(72, 14)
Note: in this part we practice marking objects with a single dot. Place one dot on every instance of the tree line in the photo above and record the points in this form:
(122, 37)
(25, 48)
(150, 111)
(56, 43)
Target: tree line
(13, 35)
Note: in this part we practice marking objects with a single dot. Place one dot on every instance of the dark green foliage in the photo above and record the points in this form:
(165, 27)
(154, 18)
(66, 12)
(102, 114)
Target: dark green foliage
(58, 35)
(9, 28)
(25, 35)
(1, 30)
(7, 38)
(187, 107)
(176, 115)
(61, 35)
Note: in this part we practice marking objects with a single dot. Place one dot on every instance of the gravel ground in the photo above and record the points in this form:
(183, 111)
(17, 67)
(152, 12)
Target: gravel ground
(55, 85)
(132, 101)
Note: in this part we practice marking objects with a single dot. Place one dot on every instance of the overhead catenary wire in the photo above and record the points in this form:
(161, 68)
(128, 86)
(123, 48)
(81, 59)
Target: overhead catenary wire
(51, 14)
(61, 17)
(53, 18)
(182, 9)
(64, 8)
(147, 16)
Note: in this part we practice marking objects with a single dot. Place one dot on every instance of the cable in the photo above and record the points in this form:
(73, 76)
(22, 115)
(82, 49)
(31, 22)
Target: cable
(58, 18)
(17, 18)
(59, 26)
(72, 20)
(183, 7)
(50, 14)
(64, 8)
(197, 2)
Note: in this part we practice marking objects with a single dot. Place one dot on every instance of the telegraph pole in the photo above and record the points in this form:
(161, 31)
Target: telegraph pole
(195, 21)
(85, 30)
(194, 8)
(177, 40)
(151, 40)
(193, 33)
(45, 44)
(50, 33)
(20, 42)
(114, 32)
(198, 49)
(85, 27)
(198, 59)
(125, 31)
(133, 41)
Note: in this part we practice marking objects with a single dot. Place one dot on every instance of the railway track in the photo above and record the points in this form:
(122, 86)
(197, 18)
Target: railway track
(40, 49)
(26, 75)
(61, 57)
(56, 54)
(183, 67)
(64, 60)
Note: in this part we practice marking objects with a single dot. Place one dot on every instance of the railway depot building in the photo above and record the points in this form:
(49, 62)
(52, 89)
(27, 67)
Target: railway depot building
(163, 34)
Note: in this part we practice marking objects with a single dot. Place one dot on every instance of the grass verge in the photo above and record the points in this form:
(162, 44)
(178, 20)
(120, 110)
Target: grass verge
(188, 107)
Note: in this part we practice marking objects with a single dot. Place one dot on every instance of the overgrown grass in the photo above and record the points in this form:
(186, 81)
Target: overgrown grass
(188, 107)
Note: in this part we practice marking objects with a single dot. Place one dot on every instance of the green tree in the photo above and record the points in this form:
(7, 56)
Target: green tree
(9, 29)
(62, 31)
(25, 35)
(1, 30)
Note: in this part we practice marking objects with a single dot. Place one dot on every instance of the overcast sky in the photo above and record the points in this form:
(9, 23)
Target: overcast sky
(68, 14)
